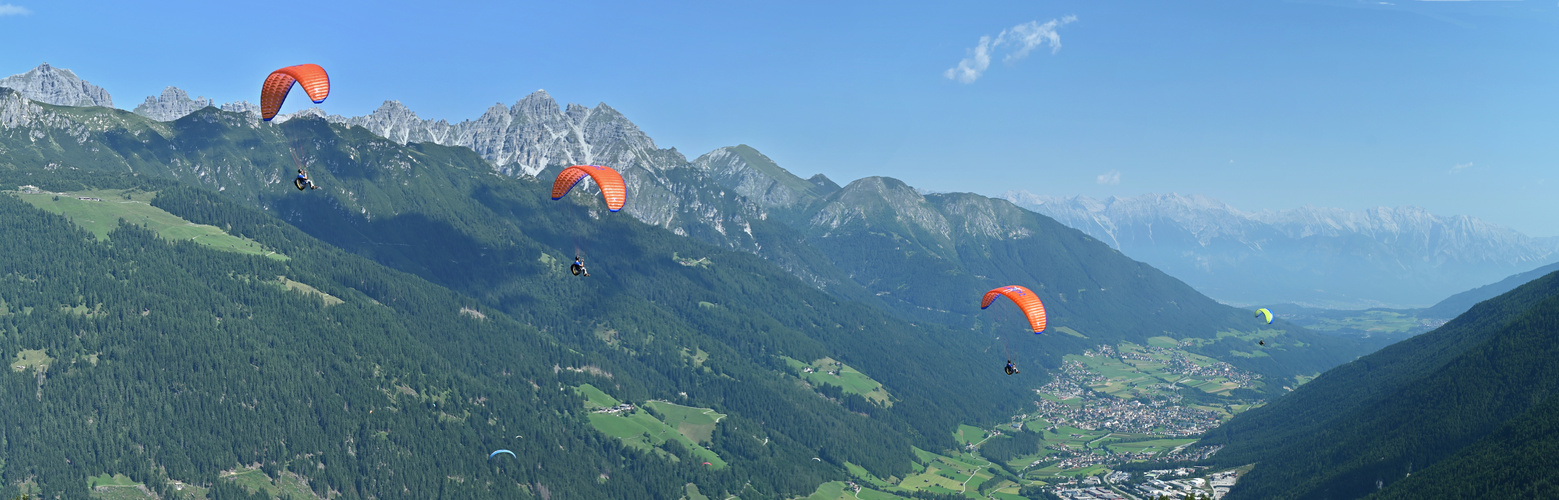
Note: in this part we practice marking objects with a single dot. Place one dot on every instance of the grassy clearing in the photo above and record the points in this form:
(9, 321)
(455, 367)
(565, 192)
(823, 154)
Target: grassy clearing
(690, 492)
(701, 262)
(831, 372)
(99, 212)
(286, 486)
(697, 357)
(116, 487)
(1069, 331)
(595, 398)
(967, 434)
(31, 359)
(110, 480)
(299, 286)
(697, 424)
(641, 429)
(832, 490)
(945, 474)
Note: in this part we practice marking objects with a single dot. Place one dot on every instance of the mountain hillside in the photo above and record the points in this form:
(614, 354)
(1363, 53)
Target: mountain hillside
(665, 316)
(877, 241)
(1370, 423)
(1456, 304)
(1318, 257)
(176, 364)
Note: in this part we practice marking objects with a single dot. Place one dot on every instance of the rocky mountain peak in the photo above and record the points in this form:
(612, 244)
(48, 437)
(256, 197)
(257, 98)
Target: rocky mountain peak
(877, 200)
(243, 107)
(58, 86)
(823, 182)
(526, 137)
(537, 105)
(171, 105)
(756, 177)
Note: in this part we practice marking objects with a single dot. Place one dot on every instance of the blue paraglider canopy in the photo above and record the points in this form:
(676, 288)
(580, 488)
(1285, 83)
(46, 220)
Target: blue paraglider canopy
(494, 454)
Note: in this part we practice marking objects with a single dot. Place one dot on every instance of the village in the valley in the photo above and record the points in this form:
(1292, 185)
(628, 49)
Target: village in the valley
(1127, 404)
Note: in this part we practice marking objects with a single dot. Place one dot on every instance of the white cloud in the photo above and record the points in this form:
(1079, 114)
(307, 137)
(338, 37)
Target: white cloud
(13, 10)
(1017, 41)
(1460, 167)
(1110, 178)
(969, 69)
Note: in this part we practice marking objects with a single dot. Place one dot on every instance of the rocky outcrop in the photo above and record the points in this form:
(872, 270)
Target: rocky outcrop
(173, 104)
(243, 107)
(756, 177)
(527, 137)
(50, 85)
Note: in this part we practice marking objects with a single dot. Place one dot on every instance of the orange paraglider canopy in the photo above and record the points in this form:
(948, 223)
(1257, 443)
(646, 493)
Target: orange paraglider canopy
(311, 77)
(1025, 299)
(611, 183)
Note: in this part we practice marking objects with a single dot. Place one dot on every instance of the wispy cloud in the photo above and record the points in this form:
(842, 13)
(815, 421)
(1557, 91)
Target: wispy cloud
(1016, 41)
(1110, 178)
(1459, 167)
(13, 10)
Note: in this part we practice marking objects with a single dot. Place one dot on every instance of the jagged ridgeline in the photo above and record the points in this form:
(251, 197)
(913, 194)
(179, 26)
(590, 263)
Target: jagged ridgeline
(1465, 410)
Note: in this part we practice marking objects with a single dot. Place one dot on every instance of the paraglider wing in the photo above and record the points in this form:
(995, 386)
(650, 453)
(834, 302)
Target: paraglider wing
(311, 77)
(1025, 299)
(494, 454)
(610, 182)
(1264, 314)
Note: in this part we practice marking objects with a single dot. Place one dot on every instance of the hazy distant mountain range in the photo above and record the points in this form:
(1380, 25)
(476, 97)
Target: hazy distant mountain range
(1321, 257)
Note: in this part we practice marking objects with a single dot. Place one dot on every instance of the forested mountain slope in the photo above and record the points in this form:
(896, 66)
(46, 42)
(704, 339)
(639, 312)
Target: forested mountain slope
(1514, 461)
(173, 361)
(1369, 423)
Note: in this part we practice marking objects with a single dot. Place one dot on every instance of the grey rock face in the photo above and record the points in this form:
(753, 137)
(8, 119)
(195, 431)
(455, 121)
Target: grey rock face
(756, 177)
(243, 107)
(50, 85)
(173, 104)
(527, 137)
(872, 201)
(536, 133)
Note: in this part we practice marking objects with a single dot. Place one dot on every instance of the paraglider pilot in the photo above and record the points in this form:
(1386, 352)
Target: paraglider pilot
(303, 181)
(578, 267)
(1010, 369)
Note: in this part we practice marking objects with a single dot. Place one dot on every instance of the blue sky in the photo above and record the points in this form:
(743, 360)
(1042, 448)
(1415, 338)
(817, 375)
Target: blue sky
(1452, 106)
